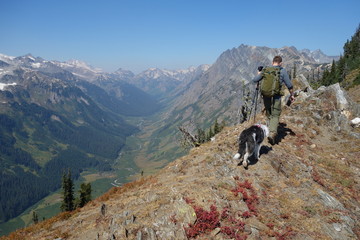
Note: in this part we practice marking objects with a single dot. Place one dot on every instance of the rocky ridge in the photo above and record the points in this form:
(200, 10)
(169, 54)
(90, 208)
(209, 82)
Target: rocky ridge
(304, 187)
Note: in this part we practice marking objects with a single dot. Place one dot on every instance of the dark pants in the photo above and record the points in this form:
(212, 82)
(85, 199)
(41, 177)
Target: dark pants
(273, 111)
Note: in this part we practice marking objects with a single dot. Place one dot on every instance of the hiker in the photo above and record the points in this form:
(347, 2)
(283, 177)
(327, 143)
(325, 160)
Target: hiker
(272, 79)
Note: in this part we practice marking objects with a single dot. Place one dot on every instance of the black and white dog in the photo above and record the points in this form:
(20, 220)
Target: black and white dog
(250, 141)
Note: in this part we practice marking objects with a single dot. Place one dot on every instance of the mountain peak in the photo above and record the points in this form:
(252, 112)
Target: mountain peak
(81, 64)
(124, 74)
(319, 56)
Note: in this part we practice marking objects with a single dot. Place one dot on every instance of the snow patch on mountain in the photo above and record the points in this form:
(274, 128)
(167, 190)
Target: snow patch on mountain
(36, 65)
(6, 58)
(4, 85)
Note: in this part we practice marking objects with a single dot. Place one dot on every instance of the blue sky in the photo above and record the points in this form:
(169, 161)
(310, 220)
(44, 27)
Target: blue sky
(172, 34)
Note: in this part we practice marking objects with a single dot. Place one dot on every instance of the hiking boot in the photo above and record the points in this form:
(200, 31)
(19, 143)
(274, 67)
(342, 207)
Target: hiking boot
(272, 138)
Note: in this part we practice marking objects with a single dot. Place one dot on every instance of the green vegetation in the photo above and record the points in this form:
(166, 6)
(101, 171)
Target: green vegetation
(203, 136)
(85, 195)
(35, 217)
(346, 65)
(67, 203)
(50, 205)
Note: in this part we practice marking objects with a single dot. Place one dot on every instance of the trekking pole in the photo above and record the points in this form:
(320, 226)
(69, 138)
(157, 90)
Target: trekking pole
(252, 105)
(256, 97)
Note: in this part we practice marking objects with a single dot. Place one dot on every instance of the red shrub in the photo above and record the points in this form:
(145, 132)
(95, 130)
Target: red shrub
(209, 220)
(188, 200)
(287, 233)
(230, 226)
(224, 214)
(316, 177)
(206, 221)
(246, 214)
(251, 200)
(270, 225)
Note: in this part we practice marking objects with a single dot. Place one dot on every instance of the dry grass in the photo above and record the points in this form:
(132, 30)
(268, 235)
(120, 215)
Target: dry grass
(46, 225)
(115, 191)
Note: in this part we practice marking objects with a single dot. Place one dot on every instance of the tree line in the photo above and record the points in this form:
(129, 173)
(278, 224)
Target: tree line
(346, 64)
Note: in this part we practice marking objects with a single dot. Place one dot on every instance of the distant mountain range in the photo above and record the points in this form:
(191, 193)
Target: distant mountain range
(57, 115)
(52, 120)
(319, 56)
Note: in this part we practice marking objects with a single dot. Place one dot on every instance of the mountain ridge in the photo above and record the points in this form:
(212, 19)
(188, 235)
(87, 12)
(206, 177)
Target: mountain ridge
(304, 187)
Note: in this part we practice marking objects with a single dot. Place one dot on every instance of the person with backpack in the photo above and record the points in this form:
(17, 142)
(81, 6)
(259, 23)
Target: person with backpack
(272, 79)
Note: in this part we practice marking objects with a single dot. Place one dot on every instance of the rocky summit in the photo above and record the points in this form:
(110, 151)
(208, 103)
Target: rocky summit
(304, 187)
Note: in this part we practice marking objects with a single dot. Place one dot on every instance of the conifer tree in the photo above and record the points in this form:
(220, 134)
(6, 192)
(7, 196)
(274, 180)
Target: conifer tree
(35, 217)
(326, 74)
(68, 192)
(347, 63)
(210, 134)
(201, 136)
(85, 194)
(333, 78)
(216, 127)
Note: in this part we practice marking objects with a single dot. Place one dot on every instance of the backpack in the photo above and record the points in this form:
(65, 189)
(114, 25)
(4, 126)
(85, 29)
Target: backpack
(270, 83)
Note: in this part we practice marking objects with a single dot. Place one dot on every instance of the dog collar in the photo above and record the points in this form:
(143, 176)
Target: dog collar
(257, 125)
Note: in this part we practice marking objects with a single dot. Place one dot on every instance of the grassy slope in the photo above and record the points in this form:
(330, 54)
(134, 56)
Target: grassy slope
(50, 205)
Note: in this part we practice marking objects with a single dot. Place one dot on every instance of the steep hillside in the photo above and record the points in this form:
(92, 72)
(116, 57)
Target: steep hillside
(305, 187)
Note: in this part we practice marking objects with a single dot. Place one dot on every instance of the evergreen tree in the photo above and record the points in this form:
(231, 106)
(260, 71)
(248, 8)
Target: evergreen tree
(347, 63)
(201, 136)
(216, 127)
(333, 78)
(85, 194)
(210, 134)
(326, 74)
(68, 193)
(35, 217)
